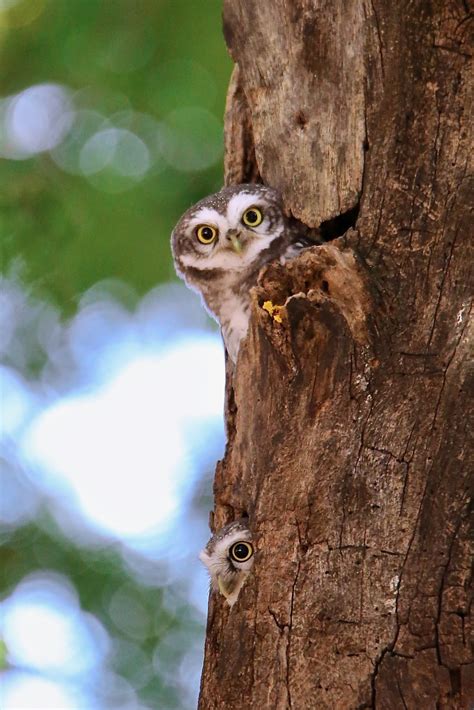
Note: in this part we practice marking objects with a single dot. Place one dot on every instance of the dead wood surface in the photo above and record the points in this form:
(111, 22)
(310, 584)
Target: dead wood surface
(350, 423)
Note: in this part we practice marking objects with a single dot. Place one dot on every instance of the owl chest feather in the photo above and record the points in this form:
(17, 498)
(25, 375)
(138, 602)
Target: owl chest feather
(229, 303)
(234, 319)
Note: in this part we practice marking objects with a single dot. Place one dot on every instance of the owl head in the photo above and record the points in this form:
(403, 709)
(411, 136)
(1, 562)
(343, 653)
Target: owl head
(228, 557)
(227, 231)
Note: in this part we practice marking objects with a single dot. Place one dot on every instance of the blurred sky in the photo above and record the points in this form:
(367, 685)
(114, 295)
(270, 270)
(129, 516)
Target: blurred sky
(111, 373)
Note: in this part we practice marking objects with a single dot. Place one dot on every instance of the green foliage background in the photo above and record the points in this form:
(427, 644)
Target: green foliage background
(154, 56)
(64, 234)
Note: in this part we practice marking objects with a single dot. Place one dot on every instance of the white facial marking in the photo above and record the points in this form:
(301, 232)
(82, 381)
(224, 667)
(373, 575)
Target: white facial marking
(218, 559)
(207, 215)
(218, 259)
(237, 206)
(228, 574)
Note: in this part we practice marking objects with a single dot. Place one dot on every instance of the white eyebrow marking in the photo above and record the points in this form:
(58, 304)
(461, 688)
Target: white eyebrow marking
(237, 206)
(207, 215)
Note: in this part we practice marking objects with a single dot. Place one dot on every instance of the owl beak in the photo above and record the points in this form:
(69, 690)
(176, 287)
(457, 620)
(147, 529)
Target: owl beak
(225, 593)
(234, 238)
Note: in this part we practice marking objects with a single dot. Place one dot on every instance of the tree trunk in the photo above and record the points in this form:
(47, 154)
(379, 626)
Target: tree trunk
(348, 423)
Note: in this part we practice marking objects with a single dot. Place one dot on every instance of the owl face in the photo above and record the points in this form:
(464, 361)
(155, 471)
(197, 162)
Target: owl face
(228, 557)
(227, 231)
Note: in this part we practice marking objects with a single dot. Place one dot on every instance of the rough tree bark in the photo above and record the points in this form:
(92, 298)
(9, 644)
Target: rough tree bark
(348, 423)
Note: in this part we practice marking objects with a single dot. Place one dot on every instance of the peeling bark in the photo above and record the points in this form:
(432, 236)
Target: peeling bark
(350, 422)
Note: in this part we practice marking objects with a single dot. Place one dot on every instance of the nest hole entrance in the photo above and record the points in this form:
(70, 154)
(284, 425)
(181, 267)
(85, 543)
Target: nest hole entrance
(337, 226)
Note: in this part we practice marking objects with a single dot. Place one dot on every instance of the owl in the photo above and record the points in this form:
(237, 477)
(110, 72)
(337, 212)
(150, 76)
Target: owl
(228, 557)
(220, 244)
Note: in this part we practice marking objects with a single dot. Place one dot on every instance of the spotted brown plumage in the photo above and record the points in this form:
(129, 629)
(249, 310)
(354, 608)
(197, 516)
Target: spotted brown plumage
(220, 244)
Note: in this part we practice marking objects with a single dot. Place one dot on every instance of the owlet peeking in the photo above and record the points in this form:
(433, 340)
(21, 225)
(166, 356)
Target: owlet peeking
(220, 244)
(228, 557)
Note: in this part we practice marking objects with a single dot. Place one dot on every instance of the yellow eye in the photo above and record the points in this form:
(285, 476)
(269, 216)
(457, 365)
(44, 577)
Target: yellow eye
(241, 551)
(252, 217)
(206, 234)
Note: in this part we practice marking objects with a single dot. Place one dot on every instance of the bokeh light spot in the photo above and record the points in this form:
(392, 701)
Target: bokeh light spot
(35, 120)
(26, 691)
(114, 158)
(98, 151)
(45, 630)
(86, 123)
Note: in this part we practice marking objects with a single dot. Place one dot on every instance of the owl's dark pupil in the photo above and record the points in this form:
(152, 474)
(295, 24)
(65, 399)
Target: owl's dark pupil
(252, 216)
(240, 551)
(207, 233)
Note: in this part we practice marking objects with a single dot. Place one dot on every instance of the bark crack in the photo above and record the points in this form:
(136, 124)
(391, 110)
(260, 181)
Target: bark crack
(445, 371)
(441, 591)
(443, 47)
(379, 36)
(401, 695)
(284, 700)
(378, 225)
(441, 288)
(290, 629)
(373, 679)
(389, 648)
(436, 148)
(359, 454)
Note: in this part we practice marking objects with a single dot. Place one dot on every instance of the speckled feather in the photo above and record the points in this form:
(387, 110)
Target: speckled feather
(222, 276)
